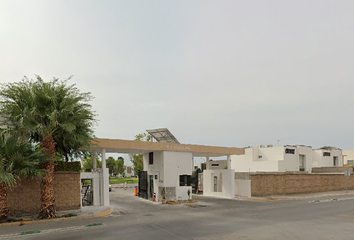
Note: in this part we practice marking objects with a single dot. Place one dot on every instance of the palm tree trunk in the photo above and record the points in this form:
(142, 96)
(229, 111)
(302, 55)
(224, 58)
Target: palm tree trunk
(4, 211)
(47, 187)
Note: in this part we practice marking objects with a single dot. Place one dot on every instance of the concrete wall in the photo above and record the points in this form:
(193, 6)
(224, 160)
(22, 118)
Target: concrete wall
(218, 164)
(226, 183)
(25, 197)
(332, 169)
(283, 184)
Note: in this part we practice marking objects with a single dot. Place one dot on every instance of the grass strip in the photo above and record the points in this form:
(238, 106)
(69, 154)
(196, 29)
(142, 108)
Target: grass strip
(94, 224)
(30, 232)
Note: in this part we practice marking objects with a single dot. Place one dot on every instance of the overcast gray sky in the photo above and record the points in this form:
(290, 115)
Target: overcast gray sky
(224, 73)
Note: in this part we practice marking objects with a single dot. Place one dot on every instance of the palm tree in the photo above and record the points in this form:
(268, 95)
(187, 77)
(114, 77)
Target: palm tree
(54, 114)
(18, 159)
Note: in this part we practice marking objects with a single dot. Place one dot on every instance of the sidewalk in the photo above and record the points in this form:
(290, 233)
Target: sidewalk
(305, 196)
(84, 212)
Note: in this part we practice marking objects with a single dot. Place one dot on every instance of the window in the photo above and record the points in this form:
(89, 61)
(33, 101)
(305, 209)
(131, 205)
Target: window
(350, 162)
(289, 151)
(335, 161)
(129, 169)
(326, 154)
(184, 180)
(215, 164)
(151, 158)
(260, 156)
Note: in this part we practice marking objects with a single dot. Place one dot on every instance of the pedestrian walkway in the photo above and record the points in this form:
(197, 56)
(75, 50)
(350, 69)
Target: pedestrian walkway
(305, 196)
(84, 212)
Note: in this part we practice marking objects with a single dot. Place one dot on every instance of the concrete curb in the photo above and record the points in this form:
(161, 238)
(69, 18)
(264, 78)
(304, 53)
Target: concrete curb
(31, 221)
(104, 213)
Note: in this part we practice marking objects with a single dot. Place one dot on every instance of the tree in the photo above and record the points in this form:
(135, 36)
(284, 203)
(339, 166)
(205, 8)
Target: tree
(110, 163)
(87, 163)
(137, 159)
(120, 166)
(18, 159)
(50, 113)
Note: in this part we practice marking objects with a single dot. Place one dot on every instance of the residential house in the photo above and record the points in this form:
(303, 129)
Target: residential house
(327, 157)
(348, 157)
(274, 159)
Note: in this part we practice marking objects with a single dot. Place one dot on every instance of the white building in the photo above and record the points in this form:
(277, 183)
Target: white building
(273, 159)
(169, 174)
(129, 172)
(348, 157)
(327, 157)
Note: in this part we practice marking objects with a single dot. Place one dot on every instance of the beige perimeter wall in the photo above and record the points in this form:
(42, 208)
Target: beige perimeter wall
(25, 197)
(284, 184)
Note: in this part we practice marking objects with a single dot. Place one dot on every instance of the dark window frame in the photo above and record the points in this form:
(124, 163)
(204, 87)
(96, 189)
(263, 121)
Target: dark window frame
(326, 154)
(184, 180)
(289, 151)
(151, 158)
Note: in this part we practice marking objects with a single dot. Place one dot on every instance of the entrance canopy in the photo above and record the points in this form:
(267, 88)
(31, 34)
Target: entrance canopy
(141, 147)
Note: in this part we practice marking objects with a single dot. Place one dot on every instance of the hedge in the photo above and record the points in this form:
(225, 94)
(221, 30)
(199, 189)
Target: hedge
(67, 166)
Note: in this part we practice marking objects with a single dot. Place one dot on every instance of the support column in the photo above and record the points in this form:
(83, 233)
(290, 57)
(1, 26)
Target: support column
(105, 181)
(207, 163)
(94, 161)
(228, 162)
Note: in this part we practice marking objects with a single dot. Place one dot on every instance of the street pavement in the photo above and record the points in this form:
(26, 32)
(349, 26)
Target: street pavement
(331, 217)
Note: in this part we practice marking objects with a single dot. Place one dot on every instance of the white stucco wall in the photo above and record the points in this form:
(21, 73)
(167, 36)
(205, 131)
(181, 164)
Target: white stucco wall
(348, 155)
(227, 183)
(250, 161)
(96, 185)
(308, 152)
(176, 164)
(243, 188)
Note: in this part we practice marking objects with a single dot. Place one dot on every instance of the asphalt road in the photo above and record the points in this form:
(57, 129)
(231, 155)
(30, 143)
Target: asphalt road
(210, 218)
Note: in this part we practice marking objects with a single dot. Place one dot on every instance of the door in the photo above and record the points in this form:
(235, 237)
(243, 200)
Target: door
(215, 183)
(302, 162)
(143, 184)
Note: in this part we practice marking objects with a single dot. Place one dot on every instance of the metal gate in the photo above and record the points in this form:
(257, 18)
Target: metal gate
(194, 182)
(143, 184)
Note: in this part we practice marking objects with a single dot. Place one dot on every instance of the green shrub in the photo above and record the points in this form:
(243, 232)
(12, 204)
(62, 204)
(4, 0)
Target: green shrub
(67, 166)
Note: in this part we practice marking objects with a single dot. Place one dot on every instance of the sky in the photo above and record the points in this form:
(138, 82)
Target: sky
(223, 73)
